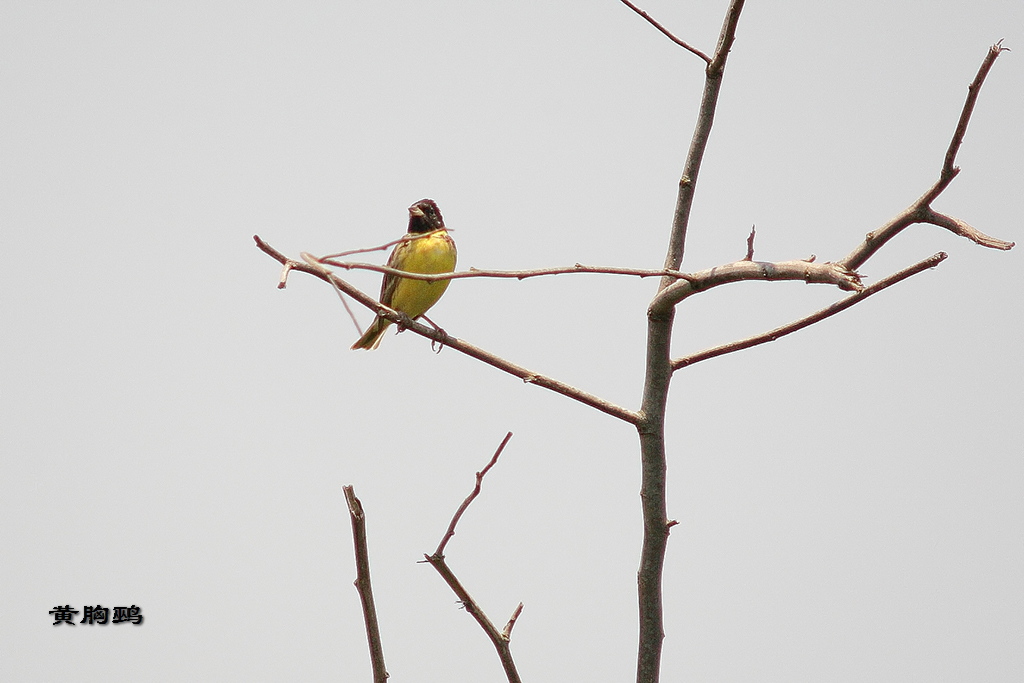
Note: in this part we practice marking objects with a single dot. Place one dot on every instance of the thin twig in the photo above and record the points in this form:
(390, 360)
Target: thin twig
(500, 639)
(367, 250)
(363, 587)
(507, 274)
(313, 261)
(442, 337)
(408, 237)
(664, 30)
(472, 496)
(806, 321)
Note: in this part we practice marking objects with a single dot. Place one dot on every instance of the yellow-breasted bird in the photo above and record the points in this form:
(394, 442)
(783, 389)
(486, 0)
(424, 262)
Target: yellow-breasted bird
(427, 248)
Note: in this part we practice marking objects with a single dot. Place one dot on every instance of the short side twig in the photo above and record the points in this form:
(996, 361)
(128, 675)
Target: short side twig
(750, 244)
(313, 261)
(506, 632)
(665, 31)
(500, 639)
(363, 587)
(817, 316)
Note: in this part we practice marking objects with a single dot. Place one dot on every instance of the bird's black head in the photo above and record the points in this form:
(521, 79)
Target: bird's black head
(424, 216)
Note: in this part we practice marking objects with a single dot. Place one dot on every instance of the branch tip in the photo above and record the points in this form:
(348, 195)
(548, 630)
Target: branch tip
(439, 553)
(750, 245)
(506, 632)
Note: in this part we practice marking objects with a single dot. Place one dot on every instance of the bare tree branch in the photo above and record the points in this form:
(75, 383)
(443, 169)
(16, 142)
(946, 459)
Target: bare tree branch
(443, 338)
(363, 587)
(920, 211)
(959, 227)
(471, 497)
(500, 639)
(508, 274)
(817, 316)
(664, 30)
(500, 642)
(949, 162)
(674, 287)
(658, 376)
(739, 271)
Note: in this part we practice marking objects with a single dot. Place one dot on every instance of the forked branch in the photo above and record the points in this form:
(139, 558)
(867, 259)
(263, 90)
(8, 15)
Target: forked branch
(699, 142)
(817, 316)
(504, 274)
(500, 639)
(842, 273)
(921, 211)
(658, 376)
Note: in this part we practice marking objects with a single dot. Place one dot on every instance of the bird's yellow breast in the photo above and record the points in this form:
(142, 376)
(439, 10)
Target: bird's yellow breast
(434, 253)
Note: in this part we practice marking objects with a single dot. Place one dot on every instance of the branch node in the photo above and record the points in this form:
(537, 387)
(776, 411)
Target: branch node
(500, 640)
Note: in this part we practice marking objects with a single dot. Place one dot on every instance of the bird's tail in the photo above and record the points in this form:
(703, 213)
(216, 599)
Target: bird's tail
(371, 338)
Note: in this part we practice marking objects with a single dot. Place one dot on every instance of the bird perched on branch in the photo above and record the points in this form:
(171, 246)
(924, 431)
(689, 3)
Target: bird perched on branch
(427, 248)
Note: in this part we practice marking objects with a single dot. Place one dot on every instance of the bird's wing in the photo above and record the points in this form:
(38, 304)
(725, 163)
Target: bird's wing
(390, 282)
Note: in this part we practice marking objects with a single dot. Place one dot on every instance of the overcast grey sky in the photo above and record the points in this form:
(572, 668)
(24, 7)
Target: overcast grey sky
(175, 431)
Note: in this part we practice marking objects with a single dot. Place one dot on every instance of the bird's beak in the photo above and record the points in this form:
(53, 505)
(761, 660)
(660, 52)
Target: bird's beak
(415, 211)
